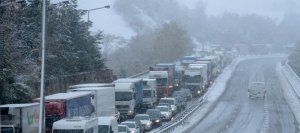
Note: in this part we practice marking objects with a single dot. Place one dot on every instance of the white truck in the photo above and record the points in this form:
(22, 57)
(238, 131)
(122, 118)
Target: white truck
(103, 98)
(149, 92)
(129, 96)
(107, 124)
(76, 125)
(19, 118)
(104, 103)
(194, 79)
(204, 72)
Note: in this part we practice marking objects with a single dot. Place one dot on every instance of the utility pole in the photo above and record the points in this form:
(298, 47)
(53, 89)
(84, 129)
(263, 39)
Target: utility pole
(1, 58)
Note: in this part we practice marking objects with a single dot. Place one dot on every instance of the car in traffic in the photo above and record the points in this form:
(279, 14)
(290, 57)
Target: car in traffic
(154, 115)
(165, 112)
(123, 129)
(172, 101)
(257, 90)
(145, 121)
(134, 127)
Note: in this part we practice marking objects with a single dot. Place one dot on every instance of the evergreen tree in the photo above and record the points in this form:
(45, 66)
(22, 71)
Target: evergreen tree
(70, 47)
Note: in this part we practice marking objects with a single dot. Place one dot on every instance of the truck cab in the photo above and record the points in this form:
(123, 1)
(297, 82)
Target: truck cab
(162, 80)
(76, 125)
(129, 96)
(107, 124)
(193, 77)
(149, 92)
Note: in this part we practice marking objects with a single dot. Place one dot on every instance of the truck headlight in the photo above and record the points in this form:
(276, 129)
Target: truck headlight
(148, 124)
(198, 92)
(156, 121)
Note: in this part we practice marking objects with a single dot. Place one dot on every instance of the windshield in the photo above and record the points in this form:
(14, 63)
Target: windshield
(169, 101)
(121, 129)
(130, 125)
(146, 93)
(103, 129)
(7, 130)
(68, 131)
(142, 117)
(162, 81)
(123, 96)
(193, 79)
(164, 109)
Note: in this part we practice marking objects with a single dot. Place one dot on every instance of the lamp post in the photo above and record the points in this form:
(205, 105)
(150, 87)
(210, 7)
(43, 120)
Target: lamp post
(42, 86)
(42, 97)
(88, 11)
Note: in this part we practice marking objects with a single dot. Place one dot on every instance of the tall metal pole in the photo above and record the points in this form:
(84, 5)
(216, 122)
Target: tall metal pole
(88, 15)
(42, 98)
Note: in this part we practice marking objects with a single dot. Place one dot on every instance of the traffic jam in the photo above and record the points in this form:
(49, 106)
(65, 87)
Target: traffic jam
(135, 104)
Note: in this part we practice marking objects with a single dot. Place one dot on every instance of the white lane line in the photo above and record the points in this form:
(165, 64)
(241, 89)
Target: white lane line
(265, 127)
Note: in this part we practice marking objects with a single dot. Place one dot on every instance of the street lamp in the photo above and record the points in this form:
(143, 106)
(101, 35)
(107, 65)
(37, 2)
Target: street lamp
(88, 11)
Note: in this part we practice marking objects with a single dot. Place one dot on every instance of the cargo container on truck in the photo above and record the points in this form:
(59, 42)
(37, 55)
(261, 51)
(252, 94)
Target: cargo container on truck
(76, 125)
(149, 92)
(163, 87)
(129, 96)
(19, 118)
(103, 99)
(61, 105)
(215, 64)
(186, 60)
(91, 85)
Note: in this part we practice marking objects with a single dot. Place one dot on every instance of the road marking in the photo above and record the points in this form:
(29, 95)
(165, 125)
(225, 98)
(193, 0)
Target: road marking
(265, 127)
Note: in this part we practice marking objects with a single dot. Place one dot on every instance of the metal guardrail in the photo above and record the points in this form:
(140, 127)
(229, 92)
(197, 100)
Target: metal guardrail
(181, 118)
(293, 78)
(139, 74)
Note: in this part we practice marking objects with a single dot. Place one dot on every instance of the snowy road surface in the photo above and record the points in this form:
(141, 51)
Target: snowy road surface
(236, 113)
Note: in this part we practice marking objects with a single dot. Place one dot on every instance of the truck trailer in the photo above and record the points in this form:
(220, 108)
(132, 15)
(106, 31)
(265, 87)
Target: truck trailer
(19, 118)
(62, 105)
(103, 99)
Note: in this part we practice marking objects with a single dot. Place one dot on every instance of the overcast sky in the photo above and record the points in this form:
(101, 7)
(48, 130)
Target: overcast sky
(110, 22)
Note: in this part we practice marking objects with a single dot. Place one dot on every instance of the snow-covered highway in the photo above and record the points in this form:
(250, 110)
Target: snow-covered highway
(234, 112)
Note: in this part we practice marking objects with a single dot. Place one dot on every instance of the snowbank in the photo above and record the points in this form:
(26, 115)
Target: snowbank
(288, 92)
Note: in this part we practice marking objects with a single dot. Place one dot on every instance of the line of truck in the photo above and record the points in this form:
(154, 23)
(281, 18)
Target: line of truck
(103, 104)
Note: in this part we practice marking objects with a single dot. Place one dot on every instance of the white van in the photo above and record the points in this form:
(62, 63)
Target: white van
(107, 124)
(76, 125)
(257, 90)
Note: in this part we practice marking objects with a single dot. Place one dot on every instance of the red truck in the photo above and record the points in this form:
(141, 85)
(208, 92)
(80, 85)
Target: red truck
(62, 105)
(164, 75)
